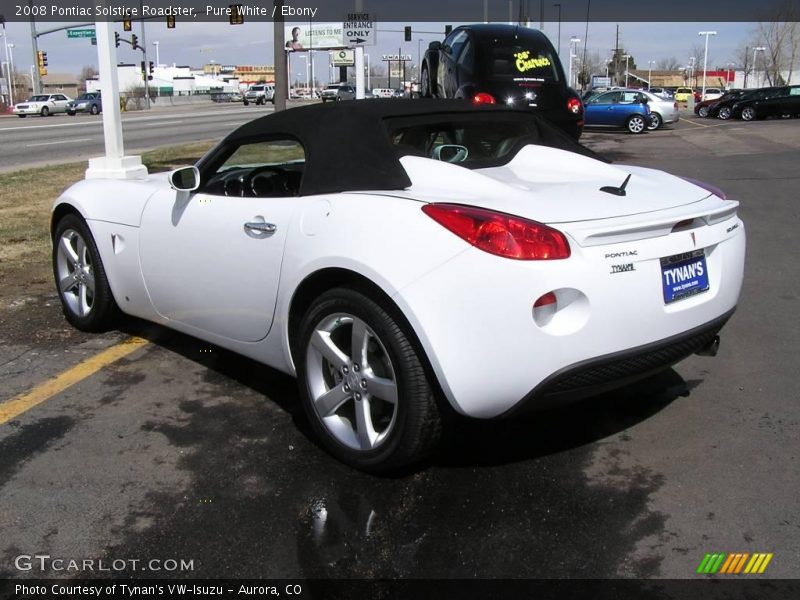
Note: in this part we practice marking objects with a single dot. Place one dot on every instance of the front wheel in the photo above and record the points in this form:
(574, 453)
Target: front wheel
(748, 113)
(45, 111)
(94, 110)
(655, 122)
(724, 113)
(80, 278)
(636, 124)
(702, 111)
(363, 385)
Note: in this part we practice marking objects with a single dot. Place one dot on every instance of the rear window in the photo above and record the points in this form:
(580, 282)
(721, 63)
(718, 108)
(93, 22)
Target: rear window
(519, 62)
(469, 141)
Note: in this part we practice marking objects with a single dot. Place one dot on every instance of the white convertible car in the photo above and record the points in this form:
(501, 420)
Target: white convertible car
(400, 256)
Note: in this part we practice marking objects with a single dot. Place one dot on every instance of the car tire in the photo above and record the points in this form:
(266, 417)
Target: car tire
(71, 113)
(374, 409)
(45, 111)
(77, 268)
(748, 113)
(94, 110)
(724, 113)
(702, 112)
(655, 121)
(22, 116)
(245, 102)
(425, 88)
(636, 124)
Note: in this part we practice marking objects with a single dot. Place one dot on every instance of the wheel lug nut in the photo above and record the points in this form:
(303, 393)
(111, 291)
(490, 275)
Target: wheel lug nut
(358, 396)
(356, 367)
(346, 388)
(364, 383)
(345, 370)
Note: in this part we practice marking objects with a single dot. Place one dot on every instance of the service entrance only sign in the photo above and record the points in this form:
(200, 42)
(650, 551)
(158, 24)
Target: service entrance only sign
(359, 30)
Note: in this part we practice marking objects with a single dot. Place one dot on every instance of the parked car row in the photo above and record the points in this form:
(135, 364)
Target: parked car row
(749, 105)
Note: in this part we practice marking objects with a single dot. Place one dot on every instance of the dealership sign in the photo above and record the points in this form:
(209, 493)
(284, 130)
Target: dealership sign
(343, 58)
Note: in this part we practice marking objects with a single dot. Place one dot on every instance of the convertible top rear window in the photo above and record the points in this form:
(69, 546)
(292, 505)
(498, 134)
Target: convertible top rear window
(465, 140)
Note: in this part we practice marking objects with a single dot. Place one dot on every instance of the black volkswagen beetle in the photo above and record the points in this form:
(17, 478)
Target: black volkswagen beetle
(502, 64)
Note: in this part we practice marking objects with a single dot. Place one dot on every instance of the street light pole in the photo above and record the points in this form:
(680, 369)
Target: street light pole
(573, 46)
(9, 68)
(756, 49)
(158, 62)
(11, 72)
(650, 74)
(705, 61)
(559, 28)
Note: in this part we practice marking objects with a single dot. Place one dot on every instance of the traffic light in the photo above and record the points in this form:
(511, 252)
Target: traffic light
(236, 14)
(134, 42)
(150, 72)
(143, 68)
(408, 33)
(171, 22)
(448, 29)
(41, 58)
(126, 24)
(116, 39)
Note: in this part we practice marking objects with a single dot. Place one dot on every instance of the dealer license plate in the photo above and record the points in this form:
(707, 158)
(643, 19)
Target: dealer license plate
(684, 275)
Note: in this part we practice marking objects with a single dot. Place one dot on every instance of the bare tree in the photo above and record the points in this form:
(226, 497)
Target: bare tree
(779, 33)
(668, 64)
(87, 72)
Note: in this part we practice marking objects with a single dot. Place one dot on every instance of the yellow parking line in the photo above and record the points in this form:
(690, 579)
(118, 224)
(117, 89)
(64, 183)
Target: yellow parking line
(46, 390)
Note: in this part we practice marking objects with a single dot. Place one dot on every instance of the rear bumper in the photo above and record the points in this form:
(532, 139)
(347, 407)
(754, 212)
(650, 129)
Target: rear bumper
(604, 373)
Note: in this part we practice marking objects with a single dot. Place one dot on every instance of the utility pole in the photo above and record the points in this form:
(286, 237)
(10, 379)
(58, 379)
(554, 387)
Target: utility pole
(36, 81)
(616, 57)
(146, 64)
(281, 71)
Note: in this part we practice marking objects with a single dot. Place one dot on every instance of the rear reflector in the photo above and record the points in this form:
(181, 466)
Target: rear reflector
(483, 98)
(500, 233)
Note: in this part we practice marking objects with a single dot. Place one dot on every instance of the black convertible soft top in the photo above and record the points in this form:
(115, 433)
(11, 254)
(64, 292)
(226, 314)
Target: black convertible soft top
(347, 144)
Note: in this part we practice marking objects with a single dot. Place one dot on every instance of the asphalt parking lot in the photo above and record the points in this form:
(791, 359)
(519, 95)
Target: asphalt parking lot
(183, 451)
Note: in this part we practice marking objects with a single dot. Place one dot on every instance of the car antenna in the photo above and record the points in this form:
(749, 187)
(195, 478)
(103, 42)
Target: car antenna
(617, 191)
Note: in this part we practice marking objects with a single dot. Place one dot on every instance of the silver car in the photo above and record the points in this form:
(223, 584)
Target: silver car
(663, 111)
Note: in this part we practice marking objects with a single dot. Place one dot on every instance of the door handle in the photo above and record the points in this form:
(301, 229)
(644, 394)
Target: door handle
(261, 227)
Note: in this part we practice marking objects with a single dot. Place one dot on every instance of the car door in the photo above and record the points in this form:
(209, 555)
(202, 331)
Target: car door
(792, 101)
(772, 103)
(445, 76)
(600, 109)
(465, 68)
(211, 259)
(630, 103)
(60, 102)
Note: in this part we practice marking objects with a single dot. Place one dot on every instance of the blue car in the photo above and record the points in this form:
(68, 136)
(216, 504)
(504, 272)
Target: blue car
(618, 108)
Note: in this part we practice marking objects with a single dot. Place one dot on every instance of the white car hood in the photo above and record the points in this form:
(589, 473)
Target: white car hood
(550, 186)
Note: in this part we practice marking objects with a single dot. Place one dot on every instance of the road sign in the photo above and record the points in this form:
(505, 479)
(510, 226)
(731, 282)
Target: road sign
(359, 30)
(81, 33)
(397, 57)
(343, 58)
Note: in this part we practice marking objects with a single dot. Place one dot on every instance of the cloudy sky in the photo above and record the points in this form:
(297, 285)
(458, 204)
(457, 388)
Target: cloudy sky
(198, 43)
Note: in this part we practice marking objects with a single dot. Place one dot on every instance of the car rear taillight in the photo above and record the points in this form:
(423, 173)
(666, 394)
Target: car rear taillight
(499, 233)
(574, 106)
(546, 300)
(483, 98)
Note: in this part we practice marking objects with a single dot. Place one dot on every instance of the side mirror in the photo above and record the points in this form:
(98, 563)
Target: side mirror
(434, 46)
(185, 179)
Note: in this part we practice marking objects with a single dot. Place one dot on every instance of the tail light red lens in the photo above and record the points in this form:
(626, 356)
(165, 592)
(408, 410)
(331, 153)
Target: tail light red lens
(499, 233)
(483, 98)
(545, 300)
(574, 106)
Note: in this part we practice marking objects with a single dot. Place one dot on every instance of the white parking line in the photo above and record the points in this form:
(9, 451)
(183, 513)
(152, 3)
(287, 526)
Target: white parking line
(70, 141)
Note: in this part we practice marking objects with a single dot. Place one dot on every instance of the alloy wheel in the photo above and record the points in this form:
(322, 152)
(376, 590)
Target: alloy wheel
(636, 124)
(351, 382)
(76, 281)
(748, 113)
(724, 113)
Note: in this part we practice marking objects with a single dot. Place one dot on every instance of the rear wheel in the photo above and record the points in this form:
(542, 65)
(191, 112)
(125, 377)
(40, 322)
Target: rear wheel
(80, 277)
(655, 121)
(748, 113)
(636, 124)
(425, 83)
(362, 384)
(724, 113)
